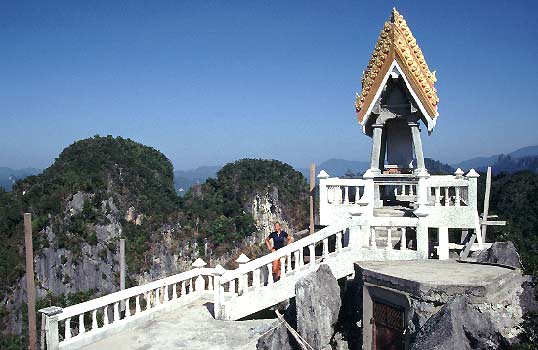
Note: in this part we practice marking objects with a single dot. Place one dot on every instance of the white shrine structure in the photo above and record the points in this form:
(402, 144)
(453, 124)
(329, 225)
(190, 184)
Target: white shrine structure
(396, 211)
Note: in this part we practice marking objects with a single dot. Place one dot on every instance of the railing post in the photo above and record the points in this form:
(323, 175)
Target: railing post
(472, 176)
(218, 293)
(243, 282)
(422, 193)
(52, 338)
(389, 238)
(199, 284)
(338, 241)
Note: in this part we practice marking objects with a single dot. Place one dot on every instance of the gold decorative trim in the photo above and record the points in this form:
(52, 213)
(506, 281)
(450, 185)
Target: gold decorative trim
(397, 42)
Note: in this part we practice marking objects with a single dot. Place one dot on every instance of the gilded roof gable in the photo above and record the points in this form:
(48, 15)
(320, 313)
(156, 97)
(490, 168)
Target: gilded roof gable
(396, 43)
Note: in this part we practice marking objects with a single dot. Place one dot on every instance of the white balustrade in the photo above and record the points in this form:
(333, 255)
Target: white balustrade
(94, 308)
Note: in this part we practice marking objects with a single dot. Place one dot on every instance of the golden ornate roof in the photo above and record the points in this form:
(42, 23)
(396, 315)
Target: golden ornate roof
(396, 42)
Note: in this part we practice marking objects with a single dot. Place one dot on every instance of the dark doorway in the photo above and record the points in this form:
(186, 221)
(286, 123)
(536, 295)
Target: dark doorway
(388, 327)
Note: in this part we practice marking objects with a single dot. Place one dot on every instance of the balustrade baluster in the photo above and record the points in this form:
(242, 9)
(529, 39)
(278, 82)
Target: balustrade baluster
(95, 325)
(411, 190)
(166, 297)
(174, 291)
(438, 196)
(210, 282)
(312, 252)
(403, 240)
(282, 269)
(301, 258)
(357, 194)
(183, 289)
(116, 312)
(81, 327)
(389, 238)
(395, 191)
(269, 273)
(373, 243)
(127, 307)
(148, 300)
(105, 316)
(338, 241)
(325, 248)
(256, 279)
(296, 257)
(289, 267)
(232, 286)
(137, 304)
(67, 333)
(245, 283)
(457, 200)
(157, 297)
(447, 197)
(346, 194)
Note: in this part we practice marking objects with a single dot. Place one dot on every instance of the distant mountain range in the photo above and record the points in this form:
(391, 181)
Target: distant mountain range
(525, 158)
(8, 176)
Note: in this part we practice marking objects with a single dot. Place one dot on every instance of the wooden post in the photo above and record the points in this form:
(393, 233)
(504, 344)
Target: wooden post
(30, 283)
(486, 205)
(122, 270)
(312, 190)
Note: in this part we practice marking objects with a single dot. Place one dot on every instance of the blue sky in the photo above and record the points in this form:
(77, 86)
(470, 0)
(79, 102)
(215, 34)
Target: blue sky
(207, 82)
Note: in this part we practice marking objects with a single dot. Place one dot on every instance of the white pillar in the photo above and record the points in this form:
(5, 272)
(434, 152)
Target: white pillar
(417, 146)
(375, 158)
(442, 248)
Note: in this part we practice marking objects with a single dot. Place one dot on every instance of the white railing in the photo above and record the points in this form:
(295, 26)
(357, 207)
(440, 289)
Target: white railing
(87, 322)
(337, 196)
(345, 191)
(447, 191)
(393, 233)
(257, 274)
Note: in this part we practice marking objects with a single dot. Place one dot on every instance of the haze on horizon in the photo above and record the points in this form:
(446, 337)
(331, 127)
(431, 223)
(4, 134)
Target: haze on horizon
(211, 82)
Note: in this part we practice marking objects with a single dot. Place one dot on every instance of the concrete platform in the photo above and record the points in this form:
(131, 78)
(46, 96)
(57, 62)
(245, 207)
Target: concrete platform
(438, 280)
(191, 327)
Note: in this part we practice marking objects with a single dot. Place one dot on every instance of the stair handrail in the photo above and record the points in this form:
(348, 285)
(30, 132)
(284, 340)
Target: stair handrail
(262, 261)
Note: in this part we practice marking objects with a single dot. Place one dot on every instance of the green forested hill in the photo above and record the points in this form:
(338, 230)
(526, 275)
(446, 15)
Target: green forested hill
(220, 207)
(514, 197)
(105, 167)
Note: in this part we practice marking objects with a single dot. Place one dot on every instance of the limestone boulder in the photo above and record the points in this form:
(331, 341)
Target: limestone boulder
(503, 253)
(318, 302)
(458, 325)
(277, 338)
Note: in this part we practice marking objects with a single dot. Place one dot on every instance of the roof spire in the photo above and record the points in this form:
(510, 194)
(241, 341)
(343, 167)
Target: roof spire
(397, 45)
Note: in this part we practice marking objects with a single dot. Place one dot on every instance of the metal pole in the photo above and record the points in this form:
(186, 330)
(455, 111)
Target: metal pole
(486, 205)
(30, 283)
(122, 270)
(312, 189)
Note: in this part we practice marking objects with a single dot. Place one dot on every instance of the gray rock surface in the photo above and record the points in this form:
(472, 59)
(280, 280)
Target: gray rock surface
(277, 338)
(527, 299)
(503, 253)
(318, 302)
(458, 325)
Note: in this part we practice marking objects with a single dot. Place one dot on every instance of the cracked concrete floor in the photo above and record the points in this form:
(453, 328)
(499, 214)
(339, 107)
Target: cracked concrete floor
(189, 327)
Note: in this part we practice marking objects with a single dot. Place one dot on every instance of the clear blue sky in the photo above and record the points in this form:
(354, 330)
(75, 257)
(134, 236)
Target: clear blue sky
(207, 82)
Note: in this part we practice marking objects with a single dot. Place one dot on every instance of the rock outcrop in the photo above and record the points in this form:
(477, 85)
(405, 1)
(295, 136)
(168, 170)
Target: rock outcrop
(502, 253)
(318, 302)
(314, 314)
(458, 325)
